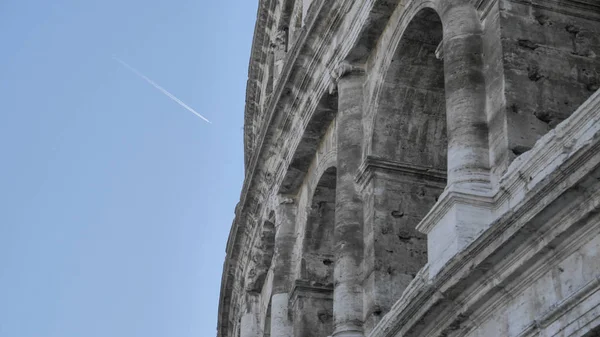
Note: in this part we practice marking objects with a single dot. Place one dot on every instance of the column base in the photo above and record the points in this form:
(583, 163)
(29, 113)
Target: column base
(455, 221)
(280, 324)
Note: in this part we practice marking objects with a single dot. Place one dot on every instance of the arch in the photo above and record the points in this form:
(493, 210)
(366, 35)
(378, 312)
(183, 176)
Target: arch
(313, 298)
(407, 153)
(410, 120)
(315, 131)
(317, 263)
(464, 84)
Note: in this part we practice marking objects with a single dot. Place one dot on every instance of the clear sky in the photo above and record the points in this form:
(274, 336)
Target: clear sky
(115, 201)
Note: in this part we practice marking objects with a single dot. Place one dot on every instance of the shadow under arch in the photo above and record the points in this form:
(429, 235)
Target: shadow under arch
(312, 302)
(410, 121)
(408, 157)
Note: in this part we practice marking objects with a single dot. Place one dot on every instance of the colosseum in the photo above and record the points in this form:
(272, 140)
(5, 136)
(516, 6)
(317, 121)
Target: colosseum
(419, 168)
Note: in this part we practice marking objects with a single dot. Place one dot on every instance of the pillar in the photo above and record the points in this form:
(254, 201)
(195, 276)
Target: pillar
(348, 233)
(468, 154)
(250, 322)
(465, 208)
(282, 259)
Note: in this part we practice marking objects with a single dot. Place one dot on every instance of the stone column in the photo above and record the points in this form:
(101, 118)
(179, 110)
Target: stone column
(464, 210)
(250, 322)
(468, 154)
(348, 292)
(282, 259)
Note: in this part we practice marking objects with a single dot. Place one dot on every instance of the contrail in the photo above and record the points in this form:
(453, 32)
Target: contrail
(161, 89)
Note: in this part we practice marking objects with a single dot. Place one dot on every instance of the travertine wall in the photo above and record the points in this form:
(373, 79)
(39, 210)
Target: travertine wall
(544, 63)
(419, 168)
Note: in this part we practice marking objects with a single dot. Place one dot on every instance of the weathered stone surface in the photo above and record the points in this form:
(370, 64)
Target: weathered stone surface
(419, 168)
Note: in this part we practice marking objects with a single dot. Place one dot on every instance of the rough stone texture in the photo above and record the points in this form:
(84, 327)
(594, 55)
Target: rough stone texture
(547, 60)
(419, 168)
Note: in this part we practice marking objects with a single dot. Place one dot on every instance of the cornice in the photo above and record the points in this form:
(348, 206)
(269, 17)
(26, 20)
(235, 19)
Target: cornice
(467, 280)
(373, 164)
(587, 9)
(260, 38)
(561, 307)
(447, 200)
(303, 287)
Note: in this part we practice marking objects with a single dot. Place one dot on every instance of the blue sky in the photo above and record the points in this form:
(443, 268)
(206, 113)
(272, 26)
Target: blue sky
(116, 202)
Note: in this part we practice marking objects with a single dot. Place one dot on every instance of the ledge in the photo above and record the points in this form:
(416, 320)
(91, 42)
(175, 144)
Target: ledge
(587, 9)
(371, 164)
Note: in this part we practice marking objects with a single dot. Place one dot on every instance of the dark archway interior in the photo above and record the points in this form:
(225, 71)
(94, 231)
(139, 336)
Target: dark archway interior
(317, 264)
(410, 124)
(409, 132)
(316, 274)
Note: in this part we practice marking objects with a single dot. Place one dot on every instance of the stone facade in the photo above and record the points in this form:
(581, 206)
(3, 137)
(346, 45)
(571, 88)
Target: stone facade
(419, 168)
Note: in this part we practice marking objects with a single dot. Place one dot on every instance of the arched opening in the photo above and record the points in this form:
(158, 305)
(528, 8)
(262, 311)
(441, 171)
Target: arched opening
(410, 125)
(408, 154)
(317, 263)
(313, 307)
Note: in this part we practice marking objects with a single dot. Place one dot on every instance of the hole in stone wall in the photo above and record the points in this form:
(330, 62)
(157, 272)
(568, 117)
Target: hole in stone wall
(397, 214)
(519, 150)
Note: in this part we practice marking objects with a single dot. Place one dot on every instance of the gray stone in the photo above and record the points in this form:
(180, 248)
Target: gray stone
(419, 168)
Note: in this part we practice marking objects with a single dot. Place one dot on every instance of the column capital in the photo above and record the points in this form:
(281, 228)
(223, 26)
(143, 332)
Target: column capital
(285, 200)
(284, 205)
(341, 70)
(280, 43)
